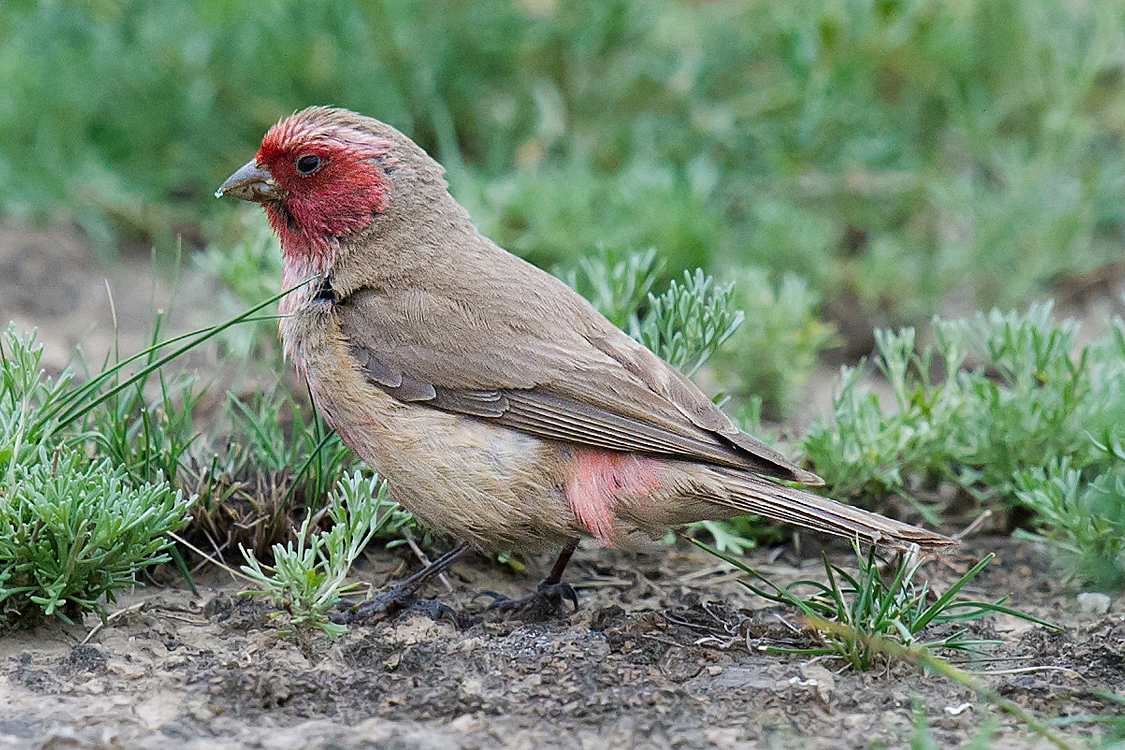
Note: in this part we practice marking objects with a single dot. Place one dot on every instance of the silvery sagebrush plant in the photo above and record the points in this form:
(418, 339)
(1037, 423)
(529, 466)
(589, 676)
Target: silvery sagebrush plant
(73, 531)
(308, 574)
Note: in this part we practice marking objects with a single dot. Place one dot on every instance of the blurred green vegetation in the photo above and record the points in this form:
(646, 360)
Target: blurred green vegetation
(883, 160)
(1026, 412)
(907, 156)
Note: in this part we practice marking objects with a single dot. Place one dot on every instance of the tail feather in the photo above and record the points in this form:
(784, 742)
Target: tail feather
(754, 494)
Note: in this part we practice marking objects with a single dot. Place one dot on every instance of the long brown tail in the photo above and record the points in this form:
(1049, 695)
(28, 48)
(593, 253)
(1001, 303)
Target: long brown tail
(754, 494)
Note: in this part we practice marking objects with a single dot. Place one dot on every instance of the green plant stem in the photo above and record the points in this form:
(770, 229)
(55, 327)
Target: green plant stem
(73, 403)
(923, 658)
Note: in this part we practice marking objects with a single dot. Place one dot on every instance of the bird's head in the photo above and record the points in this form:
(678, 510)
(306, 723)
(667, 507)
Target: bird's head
(322, 175)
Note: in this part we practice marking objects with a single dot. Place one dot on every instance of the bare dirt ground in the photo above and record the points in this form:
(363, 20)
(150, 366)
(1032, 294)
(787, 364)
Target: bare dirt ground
(50, 281)
(665, 651)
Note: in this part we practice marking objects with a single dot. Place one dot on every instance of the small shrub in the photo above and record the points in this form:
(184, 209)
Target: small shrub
(684, 325)
(307, 577)
(1036, 421)
(615, 283)
(73, 532)
(687, 323)
(1033, 397)
(1083, 517)
(78, 525)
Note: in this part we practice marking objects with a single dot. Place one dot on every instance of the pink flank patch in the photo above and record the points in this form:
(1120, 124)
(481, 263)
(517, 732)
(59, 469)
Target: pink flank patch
(599, 479)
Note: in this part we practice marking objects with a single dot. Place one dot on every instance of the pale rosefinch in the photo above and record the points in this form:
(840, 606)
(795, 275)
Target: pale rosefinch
(501, 406)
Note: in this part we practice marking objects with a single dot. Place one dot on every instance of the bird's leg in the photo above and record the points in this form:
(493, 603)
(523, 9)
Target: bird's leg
(554, 578)
(402, 595)
(547, 599)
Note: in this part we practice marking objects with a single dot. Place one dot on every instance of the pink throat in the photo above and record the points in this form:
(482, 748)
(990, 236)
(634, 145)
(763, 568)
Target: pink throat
(297, 266)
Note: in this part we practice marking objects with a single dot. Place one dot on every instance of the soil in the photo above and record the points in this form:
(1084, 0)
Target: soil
(666, 649)
(51, 282)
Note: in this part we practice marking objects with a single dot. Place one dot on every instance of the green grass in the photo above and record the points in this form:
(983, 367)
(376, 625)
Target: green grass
(895, 154)
(874, 616)
(872, 606)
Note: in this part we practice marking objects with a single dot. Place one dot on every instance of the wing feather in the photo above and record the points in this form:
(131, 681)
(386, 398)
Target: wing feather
(581, 381)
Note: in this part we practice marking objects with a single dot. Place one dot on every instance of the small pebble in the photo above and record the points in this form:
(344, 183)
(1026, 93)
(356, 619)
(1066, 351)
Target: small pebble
(958, 709)
(1093, 603)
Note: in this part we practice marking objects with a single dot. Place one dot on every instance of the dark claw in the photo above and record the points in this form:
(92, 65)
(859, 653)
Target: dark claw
(378, 607)
(561, 590)
(401, 596)
(389, 603)
(437, 611)
(543, 603)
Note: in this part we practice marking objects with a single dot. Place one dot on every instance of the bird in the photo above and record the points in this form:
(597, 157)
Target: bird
(501, 407)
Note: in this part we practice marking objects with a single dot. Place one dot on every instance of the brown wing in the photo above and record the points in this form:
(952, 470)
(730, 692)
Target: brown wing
(532, 355)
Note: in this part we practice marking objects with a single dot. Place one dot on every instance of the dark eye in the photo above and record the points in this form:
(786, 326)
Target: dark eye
(308, 164)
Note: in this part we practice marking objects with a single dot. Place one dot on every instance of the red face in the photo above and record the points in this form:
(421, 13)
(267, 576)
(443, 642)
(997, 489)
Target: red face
(328, 182)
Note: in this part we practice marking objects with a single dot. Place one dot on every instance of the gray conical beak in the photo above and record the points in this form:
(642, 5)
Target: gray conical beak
(250, 183)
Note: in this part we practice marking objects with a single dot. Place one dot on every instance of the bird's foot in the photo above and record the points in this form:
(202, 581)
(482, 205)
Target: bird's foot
(402, 596)
(387, 604)
(546, 602)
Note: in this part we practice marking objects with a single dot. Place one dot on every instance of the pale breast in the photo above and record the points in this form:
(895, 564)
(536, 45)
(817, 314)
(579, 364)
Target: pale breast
(494, 487)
